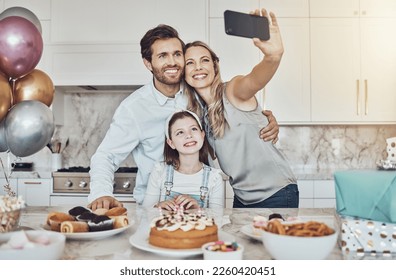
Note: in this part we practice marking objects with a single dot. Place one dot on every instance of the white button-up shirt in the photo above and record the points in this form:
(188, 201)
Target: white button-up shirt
(137, 127)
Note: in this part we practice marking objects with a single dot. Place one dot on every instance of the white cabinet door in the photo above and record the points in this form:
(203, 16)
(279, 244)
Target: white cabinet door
(378, 69)
(334, 8)
(335, 70)
(351, 72)
(349, 8)
(96, 42)
(287, 8)
(97, 65)
(35, 192)
(124, 21)
(288, 93)
(306, 193)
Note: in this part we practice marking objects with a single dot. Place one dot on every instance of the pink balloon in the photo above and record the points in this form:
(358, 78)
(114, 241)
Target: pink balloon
(21, 46)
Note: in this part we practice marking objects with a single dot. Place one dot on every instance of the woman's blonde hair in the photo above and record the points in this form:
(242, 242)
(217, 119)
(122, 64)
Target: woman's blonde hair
(217, 120)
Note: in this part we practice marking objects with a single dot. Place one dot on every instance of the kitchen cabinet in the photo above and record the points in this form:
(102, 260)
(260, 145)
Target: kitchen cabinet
(41, 8)
(98, 42)
(35, 192)
(352, 8)
(313, 194)
(229, 195)
(288, 93)
(352, 62)
(316, 193)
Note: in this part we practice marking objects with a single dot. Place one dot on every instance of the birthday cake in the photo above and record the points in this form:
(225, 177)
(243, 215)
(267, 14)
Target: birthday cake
(179, 230)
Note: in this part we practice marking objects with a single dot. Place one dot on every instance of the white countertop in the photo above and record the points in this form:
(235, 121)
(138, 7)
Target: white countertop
(39, 173)
(119, 247)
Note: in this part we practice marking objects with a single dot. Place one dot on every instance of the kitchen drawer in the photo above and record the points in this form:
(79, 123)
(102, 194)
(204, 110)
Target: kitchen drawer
(306, 188)
(306, 203)
(35, 192)
(324, 203)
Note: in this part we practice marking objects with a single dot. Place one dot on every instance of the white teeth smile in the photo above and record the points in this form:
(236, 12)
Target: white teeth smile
(200, 76)
(190, 144)
(171, 71)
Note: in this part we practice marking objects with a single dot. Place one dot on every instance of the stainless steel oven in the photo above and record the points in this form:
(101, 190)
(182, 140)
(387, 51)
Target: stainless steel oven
(71, 185)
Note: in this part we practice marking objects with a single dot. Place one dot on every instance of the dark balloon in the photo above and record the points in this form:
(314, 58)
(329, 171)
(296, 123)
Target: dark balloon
(29, 126)
(21, 46)
(22, 12)
(36, 85)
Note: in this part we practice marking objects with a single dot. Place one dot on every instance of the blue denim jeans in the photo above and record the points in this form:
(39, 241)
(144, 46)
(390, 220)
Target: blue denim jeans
(287, 197)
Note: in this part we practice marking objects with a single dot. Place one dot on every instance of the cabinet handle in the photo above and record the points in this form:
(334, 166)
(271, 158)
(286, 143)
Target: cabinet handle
(32, 183)
(357, 98)
(365, 97)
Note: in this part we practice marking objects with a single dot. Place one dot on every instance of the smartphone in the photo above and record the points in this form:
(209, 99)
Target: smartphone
(246, 25)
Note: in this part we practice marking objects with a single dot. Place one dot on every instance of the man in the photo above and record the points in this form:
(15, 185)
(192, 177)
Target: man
(138, 125)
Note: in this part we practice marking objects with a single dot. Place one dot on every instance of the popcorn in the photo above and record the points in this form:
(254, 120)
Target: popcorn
(10, 212)
(8, 203)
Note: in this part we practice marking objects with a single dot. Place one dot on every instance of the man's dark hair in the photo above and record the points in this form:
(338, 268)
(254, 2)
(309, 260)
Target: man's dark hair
(162, 31)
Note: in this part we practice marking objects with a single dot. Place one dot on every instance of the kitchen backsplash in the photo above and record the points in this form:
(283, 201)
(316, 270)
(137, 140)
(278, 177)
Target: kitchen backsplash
(308, 148)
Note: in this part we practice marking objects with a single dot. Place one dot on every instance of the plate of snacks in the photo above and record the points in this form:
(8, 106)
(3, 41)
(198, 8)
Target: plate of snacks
(309, 240)
(255, 229)
(80, 223)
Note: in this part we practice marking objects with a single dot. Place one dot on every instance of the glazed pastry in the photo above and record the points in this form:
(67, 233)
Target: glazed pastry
(78, 210)
(75, 226)
(116, 211)
(100, 223)
(120, 221)
(58, 216)
(55, 219)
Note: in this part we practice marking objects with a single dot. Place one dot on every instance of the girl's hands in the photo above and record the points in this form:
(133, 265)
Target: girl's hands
(169, 205)
(186, 201)
(274, 46)
(181, 200)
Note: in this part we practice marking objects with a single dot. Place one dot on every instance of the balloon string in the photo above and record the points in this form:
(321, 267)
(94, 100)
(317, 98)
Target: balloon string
(7, 187)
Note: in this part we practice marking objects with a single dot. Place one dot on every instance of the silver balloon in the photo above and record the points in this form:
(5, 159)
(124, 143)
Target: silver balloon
(3, 142)
(29, 126)
(22, 12)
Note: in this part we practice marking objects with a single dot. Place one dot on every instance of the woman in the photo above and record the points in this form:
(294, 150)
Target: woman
(259, 173)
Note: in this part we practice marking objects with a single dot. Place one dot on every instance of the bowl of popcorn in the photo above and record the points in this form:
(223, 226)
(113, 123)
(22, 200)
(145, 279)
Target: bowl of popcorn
(222, 250)
(10, 212)
(310, 240)
(32, 245)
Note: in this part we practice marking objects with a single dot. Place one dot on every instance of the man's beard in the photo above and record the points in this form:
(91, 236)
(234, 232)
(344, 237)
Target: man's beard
(161, 77)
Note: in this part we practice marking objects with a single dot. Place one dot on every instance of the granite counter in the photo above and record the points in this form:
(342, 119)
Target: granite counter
(118, 247)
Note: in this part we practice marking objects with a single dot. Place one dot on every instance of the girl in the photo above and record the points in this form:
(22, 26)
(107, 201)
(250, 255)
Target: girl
(259, 173)
(184, 178)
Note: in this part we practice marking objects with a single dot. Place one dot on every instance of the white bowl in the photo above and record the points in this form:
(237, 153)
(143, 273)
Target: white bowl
(285, 247)
(51, 251)
(222, 255)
